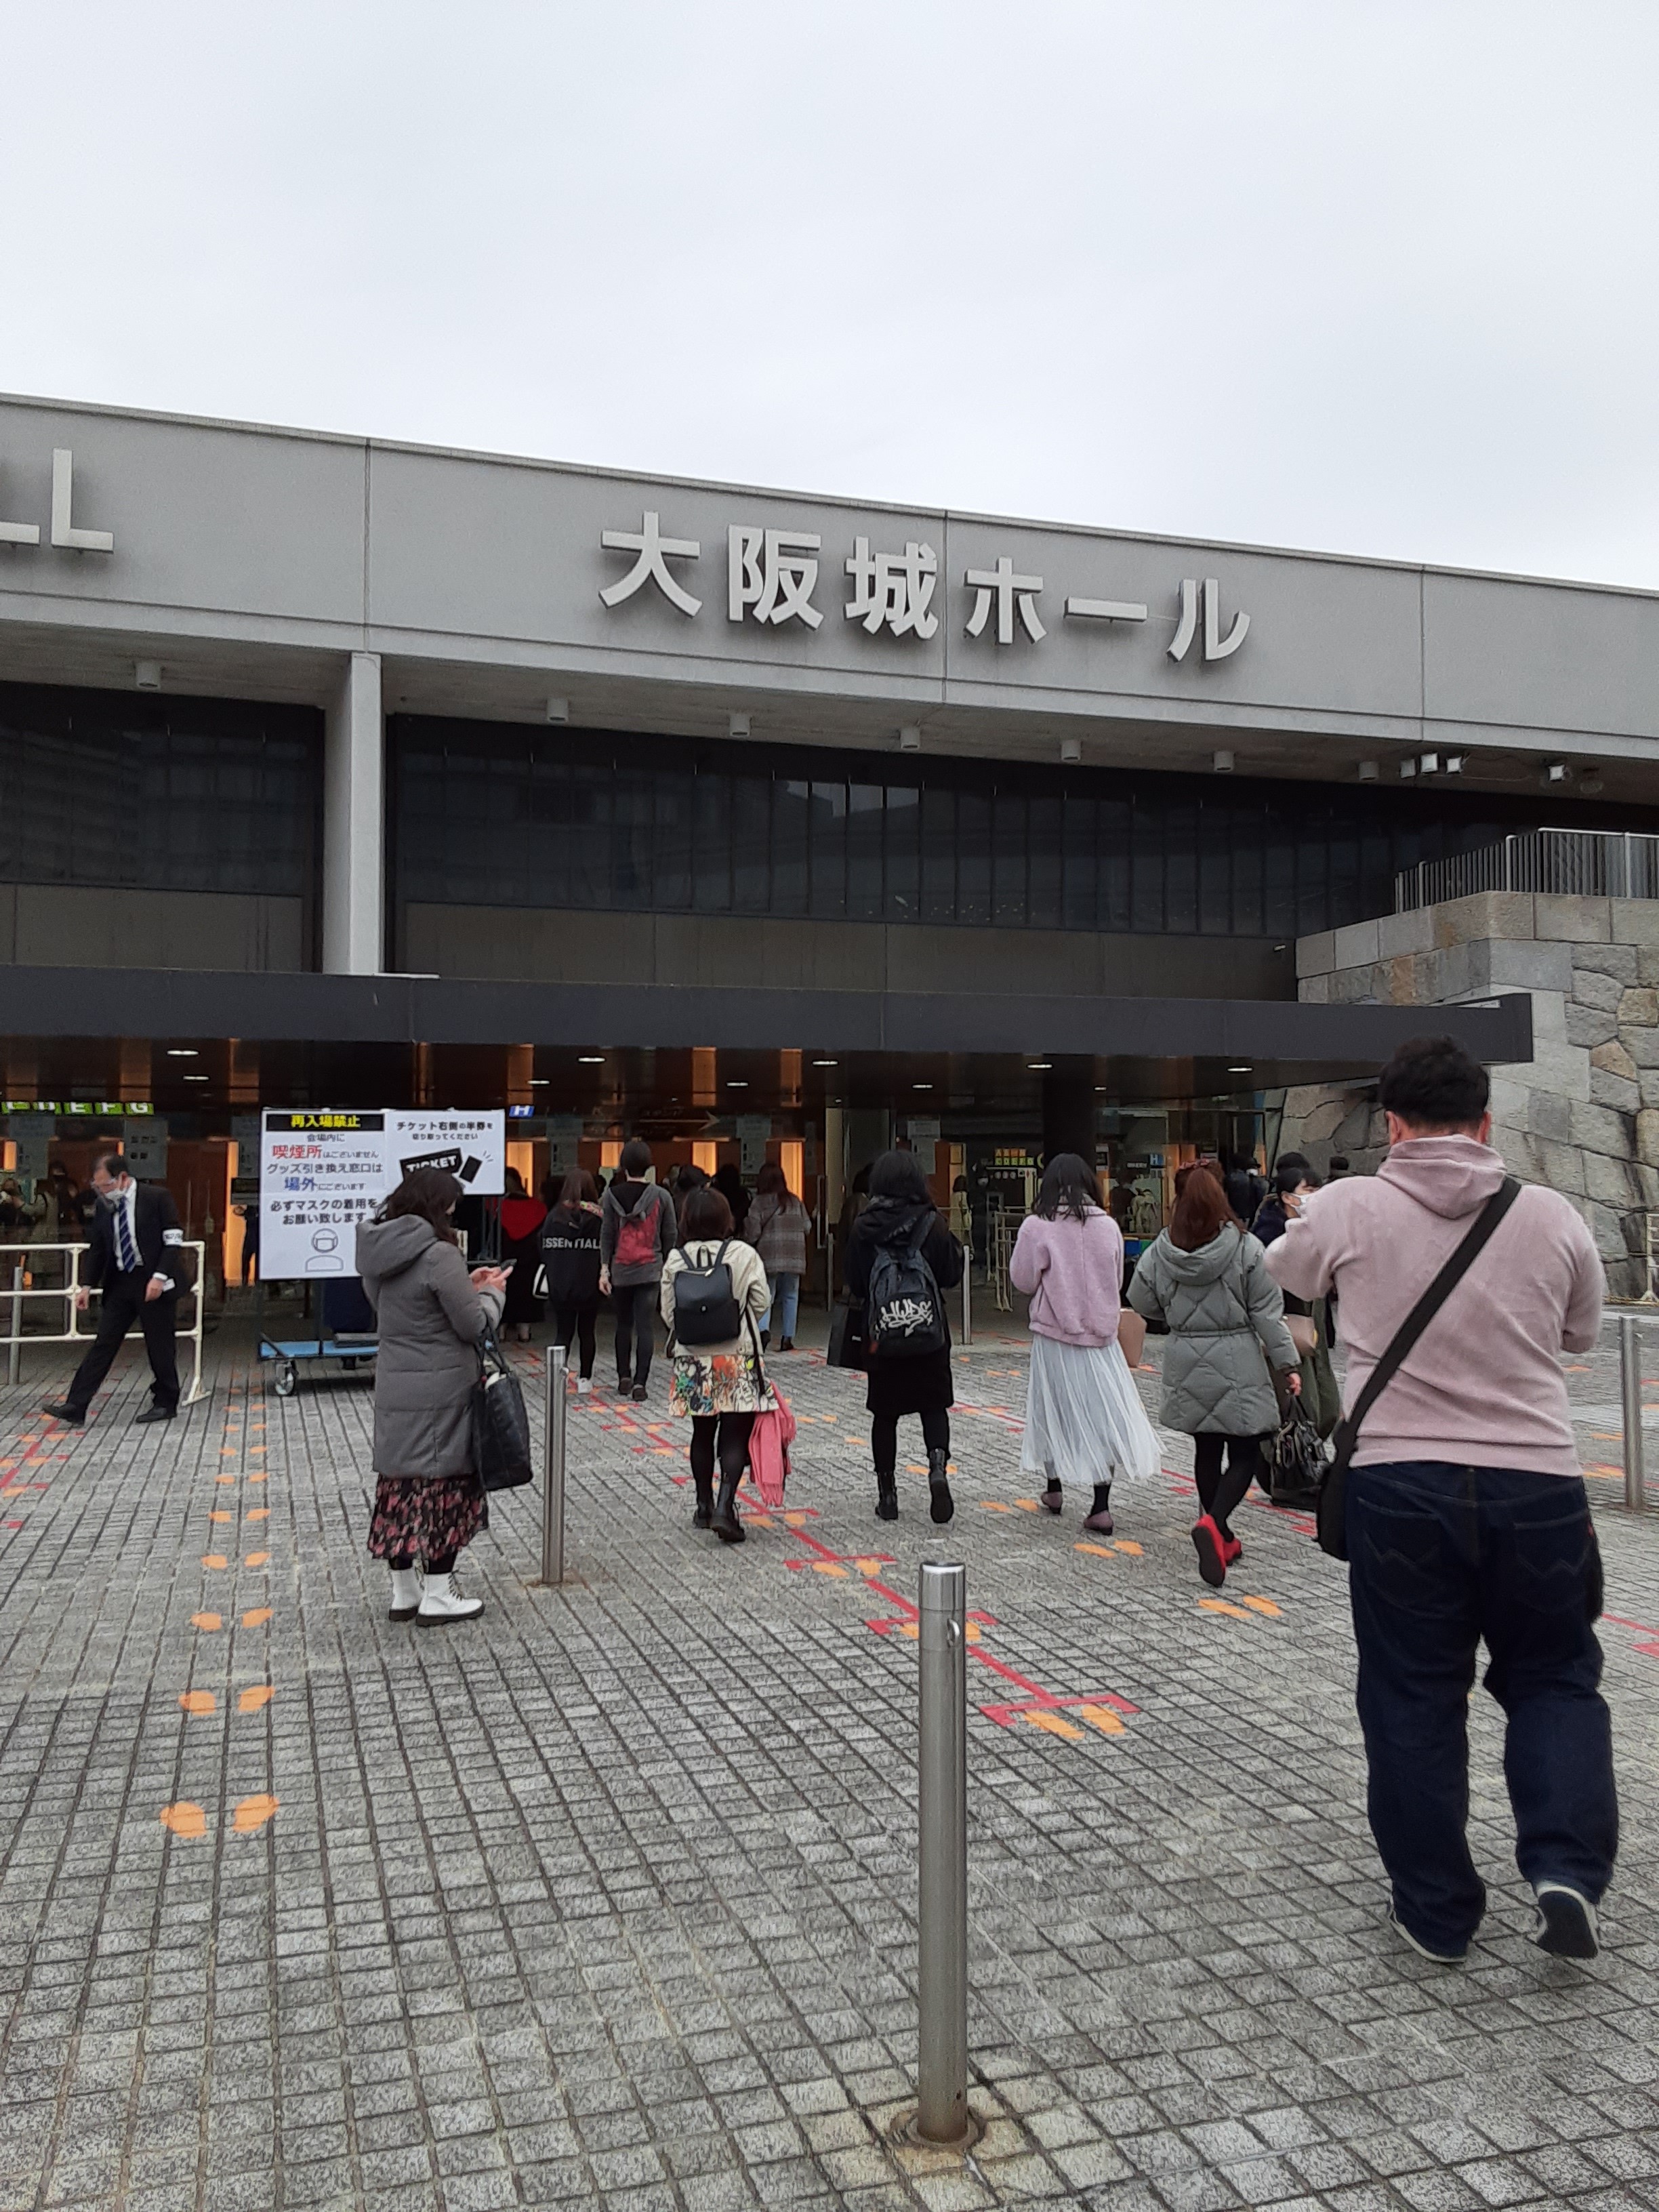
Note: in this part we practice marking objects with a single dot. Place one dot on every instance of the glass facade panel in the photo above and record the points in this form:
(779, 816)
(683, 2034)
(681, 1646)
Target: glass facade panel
(498, 815)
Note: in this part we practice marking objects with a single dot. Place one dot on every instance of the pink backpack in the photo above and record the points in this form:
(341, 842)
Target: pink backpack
(768, 1451)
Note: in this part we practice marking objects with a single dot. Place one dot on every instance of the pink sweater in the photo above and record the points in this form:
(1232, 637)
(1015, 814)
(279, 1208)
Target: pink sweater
(1483, 1387)
(1073, 1271)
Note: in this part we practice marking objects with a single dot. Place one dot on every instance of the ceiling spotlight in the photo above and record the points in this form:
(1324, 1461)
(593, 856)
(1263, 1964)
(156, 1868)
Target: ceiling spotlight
(1557, 772)
(590, 1059)
(1454, 763)
(1407, 770)
(183, 1051)
(538, 1082)
(1246, 1070)
(1040, 1065)
(558, 710)
(922, 1086)
(826, 1063)
(1428, 764)
(910, 738)
(737, 1083)
(738, 725)
(1368, 771)
(1071, 751)
(147, 675)
(196, 1079)
(1222, 763)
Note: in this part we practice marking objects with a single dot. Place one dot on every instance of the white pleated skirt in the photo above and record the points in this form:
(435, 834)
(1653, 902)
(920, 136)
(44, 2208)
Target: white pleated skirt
(1084, 1422)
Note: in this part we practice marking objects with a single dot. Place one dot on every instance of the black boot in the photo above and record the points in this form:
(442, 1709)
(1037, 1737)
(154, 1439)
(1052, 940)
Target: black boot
(725, 1522)
(705, 1483)
(942, 1507)
(886, 1497)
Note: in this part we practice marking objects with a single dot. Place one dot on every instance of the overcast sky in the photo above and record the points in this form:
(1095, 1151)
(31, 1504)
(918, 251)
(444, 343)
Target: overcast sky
(1377, 276)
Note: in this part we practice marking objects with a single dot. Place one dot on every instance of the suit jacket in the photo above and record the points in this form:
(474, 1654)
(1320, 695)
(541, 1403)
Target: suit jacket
(160, 1239)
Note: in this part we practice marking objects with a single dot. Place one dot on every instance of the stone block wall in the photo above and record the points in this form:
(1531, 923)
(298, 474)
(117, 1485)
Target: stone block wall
(1582, 1115)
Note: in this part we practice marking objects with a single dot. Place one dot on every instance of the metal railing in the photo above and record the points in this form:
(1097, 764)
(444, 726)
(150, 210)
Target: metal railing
(1573, 863)
(19, 1262)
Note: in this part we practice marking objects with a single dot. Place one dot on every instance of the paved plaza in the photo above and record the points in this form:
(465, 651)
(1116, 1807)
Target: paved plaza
(609, 1898)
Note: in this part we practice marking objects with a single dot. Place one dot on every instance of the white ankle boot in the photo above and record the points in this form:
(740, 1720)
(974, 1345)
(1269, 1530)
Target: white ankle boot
(405, 1594)
(441, 1602)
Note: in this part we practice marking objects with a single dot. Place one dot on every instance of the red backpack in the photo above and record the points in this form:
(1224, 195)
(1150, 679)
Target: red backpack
(636, 1236)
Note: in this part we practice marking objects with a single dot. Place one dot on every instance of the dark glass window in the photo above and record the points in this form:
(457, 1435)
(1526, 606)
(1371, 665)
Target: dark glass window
(496, 815)
(170, 794)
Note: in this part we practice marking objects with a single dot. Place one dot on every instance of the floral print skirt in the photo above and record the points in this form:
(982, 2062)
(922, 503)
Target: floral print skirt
(419, 1519)
(721, 1383)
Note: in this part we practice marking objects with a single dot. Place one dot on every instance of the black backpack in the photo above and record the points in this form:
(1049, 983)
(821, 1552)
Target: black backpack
(904, 1312)
(705, 1305)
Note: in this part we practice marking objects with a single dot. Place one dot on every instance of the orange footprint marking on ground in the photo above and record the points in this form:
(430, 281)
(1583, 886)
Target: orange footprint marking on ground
(260, 1513)
(258, 1618)
(1262, 1605)
(252, 1814)
(1220, 1605)
(1026, 1504)
(208, 1621)
(197, 1701)
(828, 1567)
(1052, 1724)
(253, 1559)
(991, 1505)
(1103, 1718)
(1100, 1551)
(1133, 1550)
(219, 1514)
(185, 1819)
(251, 1700)
(259, 1475)
(224, 1478)
(215, 1560)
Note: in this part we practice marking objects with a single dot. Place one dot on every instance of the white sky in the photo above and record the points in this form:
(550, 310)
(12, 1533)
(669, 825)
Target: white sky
(1377, 276)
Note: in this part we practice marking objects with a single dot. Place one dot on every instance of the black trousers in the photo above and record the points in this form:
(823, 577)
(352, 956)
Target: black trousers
(1218, 1495)
(883, 1437)
(124, 1302)
(725, 1434)
(634, 1305)
(567, 1321)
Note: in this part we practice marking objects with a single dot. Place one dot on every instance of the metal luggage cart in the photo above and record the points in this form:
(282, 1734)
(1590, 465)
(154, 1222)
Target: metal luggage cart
(345, 1332)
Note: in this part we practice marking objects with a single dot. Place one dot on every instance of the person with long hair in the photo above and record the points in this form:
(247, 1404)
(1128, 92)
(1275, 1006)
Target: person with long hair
(570, 1262)
(1206, 1277)
(720, 1386)
(428, 1503)
(900, 1213)
(1085, 1423)
(521, 1216)
(776, 1227)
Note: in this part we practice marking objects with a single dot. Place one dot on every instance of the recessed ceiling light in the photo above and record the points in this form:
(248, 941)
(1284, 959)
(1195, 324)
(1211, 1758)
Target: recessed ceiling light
(183, 1051)
(590, 1059)
(1040, 1065)
(922, 1086)
(826, 1063)
(196, 1079)
(1245, 1070)
(736, 1083)
(538, 1082)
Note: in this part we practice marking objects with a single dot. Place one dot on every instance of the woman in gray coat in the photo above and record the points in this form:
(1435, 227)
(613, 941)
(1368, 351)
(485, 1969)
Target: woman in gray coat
(1206, 1277)
(428, 1504)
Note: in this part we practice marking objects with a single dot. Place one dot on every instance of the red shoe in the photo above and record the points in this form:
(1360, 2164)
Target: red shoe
(1232, 1551)
(1211, 1546)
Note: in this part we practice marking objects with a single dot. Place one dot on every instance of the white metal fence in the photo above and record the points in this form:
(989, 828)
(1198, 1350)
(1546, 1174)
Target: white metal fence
(1584, 863)
(19, 1265)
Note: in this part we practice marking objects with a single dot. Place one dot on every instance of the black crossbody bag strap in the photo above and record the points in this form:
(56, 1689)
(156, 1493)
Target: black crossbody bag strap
(1333, 1506)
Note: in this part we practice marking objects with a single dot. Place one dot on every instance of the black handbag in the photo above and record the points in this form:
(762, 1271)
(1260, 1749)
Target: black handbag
(501, 1427)
(1332, 1505)
(1295, 1459)
(847, 1346)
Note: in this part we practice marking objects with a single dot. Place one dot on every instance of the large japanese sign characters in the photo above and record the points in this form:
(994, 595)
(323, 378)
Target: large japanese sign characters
(321, 1173)
(771, 576)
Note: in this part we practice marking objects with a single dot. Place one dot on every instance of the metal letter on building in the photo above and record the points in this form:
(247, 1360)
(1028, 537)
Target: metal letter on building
(773, 571)
(1217, 647)
(654, 551)
(895, 588)
(20, 533)
(1186, 627)
(64, 531)
(1006, 587)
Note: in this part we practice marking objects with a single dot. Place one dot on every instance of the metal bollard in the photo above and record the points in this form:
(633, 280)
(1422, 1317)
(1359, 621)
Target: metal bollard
(14, 1351)
(942, 2069)
(1629, 1385)
(558, 1359)
(967, 1298)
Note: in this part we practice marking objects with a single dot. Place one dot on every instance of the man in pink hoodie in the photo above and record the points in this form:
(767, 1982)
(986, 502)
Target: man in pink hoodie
(1467, 1514)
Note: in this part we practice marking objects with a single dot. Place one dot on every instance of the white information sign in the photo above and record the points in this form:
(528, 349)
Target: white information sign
(321, 1173)
(753, 1130)
(144, 1148)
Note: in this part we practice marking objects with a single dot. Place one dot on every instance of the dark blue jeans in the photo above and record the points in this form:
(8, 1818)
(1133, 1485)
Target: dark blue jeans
(1442, 1556)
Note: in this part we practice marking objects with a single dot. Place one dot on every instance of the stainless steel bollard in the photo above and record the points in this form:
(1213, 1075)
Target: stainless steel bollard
(943, 1851)
(558, 1360)
(14, 1349)
(1630, 1384)
(967, 1298)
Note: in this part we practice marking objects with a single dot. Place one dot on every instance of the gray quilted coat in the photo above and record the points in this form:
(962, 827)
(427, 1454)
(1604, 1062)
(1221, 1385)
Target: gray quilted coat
(430, 1318)
(1223, 1311)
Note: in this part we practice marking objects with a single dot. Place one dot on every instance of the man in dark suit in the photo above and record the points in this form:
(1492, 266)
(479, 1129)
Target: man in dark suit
(135, 1255)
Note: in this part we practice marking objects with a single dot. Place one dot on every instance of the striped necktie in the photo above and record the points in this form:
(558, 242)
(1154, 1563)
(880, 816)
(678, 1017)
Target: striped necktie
(124, 1250)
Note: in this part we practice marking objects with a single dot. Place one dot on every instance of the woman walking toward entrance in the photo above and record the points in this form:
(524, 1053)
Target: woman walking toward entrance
(428, 1504)
(1085, 1423)
(776, 1227)
(521, 1218)
(901, 1218)
(721, 1386)
(636, 1235)
(1207, 1278)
